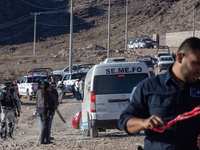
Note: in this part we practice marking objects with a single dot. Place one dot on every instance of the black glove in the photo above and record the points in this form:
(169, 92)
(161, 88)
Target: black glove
(18, 115)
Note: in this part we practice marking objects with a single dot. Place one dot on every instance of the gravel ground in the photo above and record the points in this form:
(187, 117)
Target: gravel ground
(27, 127)
(27, 132)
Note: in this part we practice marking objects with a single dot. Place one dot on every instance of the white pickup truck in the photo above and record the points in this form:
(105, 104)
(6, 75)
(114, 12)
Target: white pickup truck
(164, 62)
(70, 79)
(29, 84)
(64, 71)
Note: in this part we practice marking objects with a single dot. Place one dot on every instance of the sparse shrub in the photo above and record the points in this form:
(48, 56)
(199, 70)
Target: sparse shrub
(12, 72)
(34, 61)
(63, 58)
(76, 60)
(102, 58)
(6, 57)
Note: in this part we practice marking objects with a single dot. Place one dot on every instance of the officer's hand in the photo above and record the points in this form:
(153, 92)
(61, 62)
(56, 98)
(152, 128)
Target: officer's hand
(153, 121)
(198, 141)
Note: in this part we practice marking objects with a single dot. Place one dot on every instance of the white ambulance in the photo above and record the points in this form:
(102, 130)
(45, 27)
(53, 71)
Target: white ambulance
(107, 90)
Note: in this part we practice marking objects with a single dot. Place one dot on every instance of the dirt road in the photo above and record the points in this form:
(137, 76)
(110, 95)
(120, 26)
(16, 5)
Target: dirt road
(27, 132)
(27, 128)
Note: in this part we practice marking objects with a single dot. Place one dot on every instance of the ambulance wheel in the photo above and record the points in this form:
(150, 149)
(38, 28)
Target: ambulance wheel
(29, 97)
(93, 132)
(85, 132)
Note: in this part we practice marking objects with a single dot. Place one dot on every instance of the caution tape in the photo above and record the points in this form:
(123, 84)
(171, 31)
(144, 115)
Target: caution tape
(180, 117)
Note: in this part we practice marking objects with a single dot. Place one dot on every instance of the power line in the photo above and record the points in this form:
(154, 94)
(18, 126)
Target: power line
(16, 34)
(14, 22)
(42, 7)
(61, 25)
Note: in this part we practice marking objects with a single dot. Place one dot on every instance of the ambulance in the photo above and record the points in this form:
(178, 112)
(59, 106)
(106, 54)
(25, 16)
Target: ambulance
(107, 91)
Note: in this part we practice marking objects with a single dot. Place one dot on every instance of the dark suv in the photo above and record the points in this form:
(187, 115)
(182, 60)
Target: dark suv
(146, 43)
(148, 61)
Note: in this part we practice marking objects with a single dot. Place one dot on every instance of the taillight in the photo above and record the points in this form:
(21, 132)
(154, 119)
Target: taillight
(153, 67)
(77, 81)
(93, 103)
(31, 86)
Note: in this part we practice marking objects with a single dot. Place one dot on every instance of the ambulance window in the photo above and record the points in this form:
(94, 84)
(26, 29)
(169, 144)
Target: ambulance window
(115, 84)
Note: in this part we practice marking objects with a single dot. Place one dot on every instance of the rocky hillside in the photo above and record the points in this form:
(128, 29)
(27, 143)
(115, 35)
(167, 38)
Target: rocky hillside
(146, 17)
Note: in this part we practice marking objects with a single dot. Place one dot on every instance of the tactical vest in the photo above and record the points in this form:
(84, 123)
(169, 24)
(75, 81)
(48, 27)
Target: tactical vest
(6, 99)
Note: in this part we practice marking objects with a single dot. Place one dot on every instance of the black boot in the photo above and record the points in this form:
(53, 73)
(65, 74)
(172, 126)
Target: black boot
(43, 142)
(10, 135)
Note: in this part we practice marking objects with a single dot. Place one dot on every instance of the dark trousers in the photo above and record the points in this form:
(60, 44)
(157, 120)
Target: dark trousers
(44, 116)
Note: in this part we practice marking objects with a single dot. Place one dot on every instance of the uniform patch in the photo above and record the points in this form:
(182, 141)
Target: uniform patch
(133, 91)
(195, 92)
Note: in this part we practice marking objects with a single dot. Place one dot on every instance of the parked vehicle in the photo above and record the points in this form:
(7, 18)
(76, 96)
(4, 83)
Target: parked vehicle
(146, 43)
(29, 84)
(162, 51)
(136, 44)
(107, 90)
(75, 68)
(69, 80)
(164, 62)
(130, 45)
(76, 121)
(149, 62)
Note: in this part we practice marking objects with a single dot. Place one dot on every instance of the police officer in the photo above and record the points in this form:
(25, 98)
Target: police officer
(60, 87)
(8, 101)
(159, 99)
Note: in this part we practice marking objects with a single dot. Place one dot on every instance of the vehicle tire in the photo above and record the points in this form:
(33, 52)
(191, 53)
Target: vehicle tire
(29, 97)
(85, 132)
(94, 132)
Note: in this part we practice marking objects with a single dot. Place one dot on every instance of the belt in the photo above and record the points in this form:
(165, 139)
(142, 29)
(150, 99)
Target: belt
(8, 108)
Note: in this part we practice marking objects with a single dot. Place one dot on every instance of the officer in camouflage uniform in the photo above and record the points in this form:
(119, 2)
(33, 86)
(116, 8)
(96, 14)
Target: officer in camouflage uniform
(8, 101)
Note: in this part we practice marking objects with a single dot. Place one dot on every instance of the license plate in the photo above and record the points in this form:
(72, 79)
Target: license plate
(122, 105)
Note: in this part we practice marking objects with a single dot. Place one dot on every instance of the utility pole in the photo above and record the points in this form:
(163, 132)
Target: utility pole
(34, 34)
(38, 13)
(193, 21)
(126, 37)
(71, 38)
(108, 51)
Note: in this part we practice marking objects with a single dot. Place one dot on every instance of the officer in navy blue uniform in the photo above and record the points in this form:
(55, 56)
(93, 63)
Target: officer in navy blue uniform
(161, 98)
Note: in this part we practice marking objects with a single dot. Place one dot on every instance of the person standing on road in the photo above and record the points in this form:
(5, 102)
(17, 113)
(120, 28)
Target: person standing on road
(44, 97)
(8, 101)
(15, 87)
(81, 88)
(60, 87)
(54, 106)
(161, 98)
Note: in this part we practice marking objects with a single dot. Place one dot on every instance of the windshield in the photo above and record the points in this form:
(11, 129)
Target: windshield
(147, 62)
(117, 84)
(146, 40)
(163, 54)
(166, 59)
(78, 76)
(35, 79)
